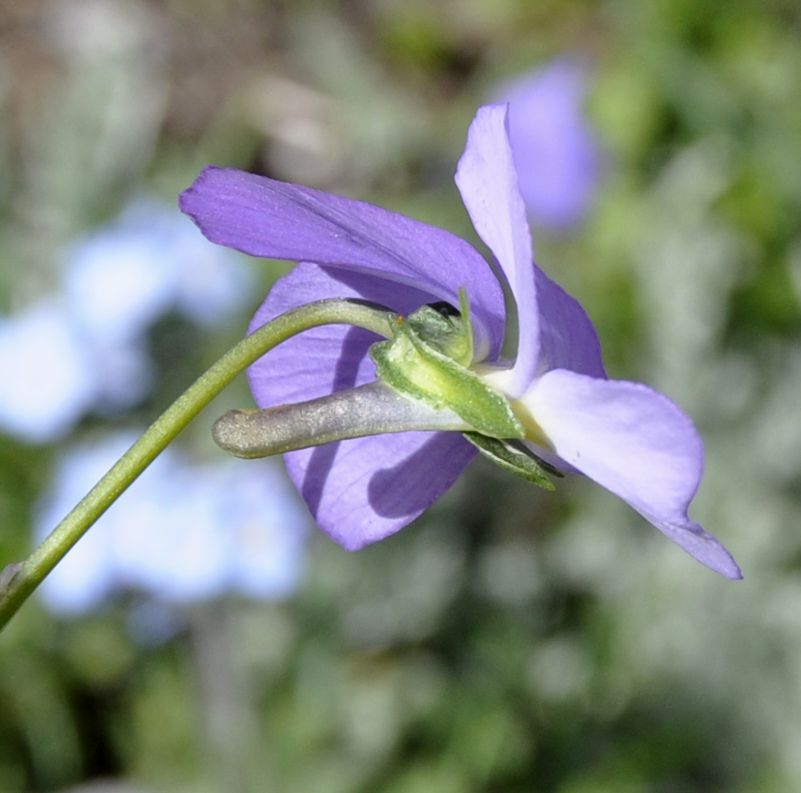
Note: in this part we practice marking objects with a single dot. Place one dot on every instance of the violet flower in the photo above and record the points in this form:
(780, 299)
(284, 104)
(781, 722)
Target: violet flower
(631, 440)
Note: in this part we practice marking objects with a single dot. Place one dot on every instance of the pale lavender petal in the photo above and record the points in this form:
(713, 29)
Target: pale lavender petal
(265, 217)
(359, 490)
(487, 180)
(636, 443)
(567, 337)
(555, 149)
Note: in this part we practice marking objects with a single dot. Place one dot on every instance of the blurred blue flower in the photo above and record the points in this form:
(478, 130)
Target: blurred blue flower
(84, 578)
(48, 379)
(555, 148)
(376, 480)
(86, 349)
(269, 529)
(182, 533)
(122, 372)
(117, 283)
(122, 278)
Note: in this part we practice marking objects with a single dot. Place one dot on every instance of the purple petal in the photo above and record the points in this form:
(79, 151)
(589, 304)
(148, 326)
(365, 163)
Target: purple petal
(264, 217)
(637, 444)
(361, 490)
(555, 149)
(567, 337)
(487, 180)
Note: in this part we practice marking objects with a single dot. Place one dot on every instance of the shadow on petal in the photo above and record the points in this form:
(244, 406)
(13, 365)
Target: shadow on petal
(354, 348)
(421, 478)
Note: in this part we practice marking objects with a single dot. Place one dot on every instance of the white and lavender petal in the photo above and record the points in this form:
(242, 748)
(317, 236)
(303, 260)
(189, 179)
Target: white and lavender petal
(634, 442)
(487, 181)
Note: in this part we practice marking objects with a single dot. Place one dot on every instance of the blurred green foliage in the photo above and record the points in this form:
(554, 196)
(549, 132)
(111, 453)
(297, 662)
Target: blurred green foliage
(510, 640)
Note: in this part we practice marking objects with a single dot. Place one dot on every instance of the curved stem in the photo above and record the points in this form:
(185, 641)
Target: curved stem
(18, 581)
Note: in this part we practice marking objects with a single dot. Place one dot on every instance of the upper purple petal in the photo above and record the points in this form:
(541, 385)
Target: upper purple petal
(636, 443)
(487, 180)
(265, 217)
(360, 490)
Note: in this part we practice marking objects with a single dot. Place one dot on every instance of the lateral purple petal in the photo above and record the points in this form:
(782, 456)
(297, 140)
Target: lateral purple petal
(487, 181)
(636, 443)
(265, 217)
(361, 490)
(567, 337)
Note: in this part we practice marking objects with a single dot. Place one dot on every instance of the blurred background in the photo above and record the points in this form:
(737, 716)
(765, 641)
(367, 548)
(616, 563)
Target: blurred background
(205, 636)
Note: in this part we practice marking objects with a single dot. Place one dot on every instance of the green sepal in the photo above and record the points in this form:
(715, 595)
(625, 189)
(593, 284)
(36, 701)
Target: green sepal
(515, 457)
(446, 330)
(419, 362)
